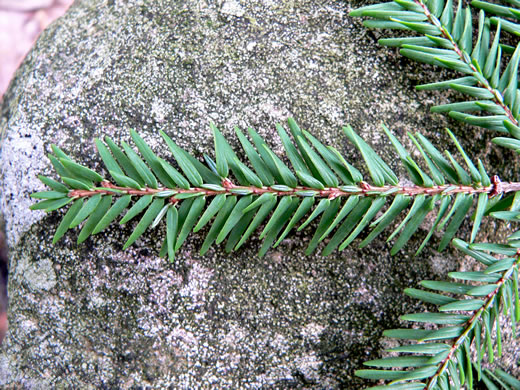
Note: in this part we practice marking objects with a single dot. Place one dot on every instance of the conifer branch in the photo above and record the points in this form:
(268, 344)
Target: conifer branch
(489, 301)
(447, 41)
(243, 198)
(282, 197)
(363, 189)
(482, 82)
(470, 322)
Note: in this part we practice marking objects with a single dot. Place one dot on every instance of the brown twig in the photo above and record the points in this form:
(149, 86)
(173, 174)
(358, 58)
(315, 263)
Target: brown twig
(363, 189)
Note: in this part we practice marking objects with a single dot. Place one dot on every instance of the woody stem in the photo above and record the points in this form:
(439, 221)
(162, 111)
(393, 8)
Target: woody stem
(361, 189)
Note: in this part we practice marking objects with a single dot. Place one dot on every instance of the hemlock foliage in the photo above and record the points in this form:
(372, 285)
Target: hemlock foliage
(232, 198)
(445, 36)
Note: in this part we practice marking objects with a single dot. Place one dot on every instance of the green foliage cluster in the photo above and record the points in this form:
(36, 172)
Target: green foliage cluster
(231, 198)
(468, 314)
(446, 39)
(321, 186)
(445, 36)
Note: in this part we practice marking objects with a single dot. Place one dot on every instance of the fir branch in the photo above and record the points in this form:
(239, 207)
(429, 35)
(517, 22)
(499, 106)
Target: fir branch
(493, 379)
(448, 364)
(242, 198)
(447, 42)
(464, 57)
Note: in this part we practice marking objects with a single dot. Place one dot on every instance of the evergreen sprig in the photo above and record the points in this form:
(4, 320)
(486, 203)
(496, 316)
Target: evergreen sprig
(499, 380)
(234, 199)
(321, 185)
(446, 39)
(468, 317)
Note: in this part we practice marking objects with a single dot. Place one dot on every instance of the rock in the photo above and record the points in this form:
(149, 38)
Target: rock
(94, 316)
(232, 7)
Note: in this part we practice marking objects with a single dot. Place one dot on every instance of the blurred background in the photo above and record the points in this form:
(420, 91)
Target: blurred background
(21, 22)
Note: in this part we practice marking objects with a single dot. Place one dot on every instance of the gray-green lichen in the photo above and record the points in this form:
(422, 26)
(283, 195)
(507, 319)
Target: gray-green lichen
(92, 316)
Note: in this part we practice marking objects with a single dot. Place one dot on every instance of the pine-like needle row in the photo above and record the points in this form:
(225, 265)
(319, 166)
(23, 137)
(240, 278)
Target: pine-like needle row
(437, 352)
(234, 199)
(447, 39)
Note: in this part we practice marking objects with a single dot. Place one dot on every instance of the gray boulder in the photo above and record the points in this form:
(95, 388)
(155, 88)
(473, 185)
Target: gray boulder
(94, 316)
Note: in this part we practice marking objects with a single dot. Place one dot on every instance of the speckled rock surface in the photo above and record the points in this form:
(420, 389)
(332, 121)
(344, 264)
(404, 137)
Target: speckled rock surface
(93, 316)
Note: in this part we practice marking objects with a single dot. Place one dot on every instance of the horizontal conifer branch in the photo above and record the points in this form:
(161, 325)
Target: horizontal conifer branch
(242, 198)
(229, 188)
(470, 324)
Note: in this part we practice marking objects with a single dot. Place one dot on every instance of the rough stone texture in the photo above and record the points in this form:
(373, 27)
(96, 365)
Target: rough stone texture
(93, 316)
